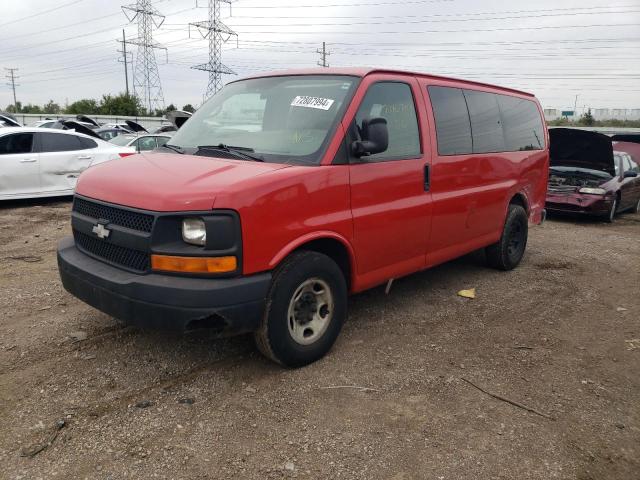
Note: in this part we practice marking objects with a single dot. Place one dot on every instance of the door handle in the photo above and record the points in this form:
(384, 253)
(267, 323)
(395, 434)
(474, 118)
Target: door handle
(427, 178)
(28, 160)
(85, 157)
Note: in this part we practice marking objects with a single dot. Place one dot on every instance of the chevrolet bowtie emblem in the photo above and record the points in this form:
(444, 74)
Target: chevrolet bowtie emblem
(101, 231)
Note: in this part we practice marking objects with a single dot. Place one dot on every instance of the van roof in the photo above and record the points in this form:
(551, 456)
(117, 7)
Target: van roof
(364, 71)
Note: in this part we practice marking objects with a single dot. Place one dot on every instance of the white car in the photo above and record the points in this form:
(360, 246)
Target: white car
(37, 162)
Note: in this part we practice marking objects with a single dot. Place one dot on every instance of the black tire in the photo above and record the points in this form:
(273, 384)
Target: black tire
(612, 212)
(275, 338)
(507, 253)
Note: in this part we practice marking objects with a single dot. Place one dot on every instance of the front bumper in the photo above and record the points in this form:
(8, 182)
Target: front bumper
(229, 305)
(579, 203)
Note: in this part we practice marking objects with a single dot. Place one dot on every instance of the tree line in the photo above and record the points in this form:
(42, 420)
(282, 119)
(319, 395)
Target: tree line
(121, 104)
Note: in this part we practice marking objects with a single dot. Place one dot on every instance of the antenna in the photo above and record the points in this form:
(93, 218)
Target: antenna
(218, 34)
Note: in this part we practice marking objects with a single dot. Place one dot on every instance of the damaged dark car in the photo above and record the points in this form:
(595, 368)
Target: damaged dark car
(586, 175)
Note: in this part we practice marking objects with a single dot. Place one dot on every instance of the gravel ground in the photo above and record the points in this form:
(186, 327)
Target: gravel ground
(560, 335)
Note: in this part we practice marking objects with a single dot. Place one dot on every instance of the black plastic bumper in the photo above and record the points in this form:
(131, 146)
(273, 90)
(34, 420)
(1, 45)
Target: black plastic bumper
(230, 305)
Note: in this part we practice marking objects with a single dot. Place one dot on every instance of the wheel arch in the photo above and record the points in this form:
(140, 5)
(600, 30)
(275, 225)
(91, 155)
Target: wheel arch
(333, 245)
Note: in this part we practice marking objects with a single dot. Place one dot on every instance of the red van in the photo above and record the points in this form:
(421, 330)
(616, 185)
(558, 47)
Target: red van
(288, 191)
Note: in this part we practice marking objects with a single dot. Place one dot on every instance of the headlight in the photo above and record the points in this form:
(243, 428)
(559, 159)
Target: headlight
(593, 191)
(194, 231)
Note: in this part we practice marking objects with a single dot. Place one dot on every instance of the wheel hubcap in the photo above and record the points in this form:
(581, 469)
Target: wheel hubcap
(516, 240)
(310, 311)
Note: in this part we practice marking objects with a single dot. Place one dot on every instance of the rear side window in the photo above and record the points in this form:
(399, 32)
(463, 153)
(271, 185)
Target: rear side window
(453, 129)
(521, 123)
(486, 124)
(393, 101)
(59, 142)
(16, 143)
(162, 140)
(86, 143)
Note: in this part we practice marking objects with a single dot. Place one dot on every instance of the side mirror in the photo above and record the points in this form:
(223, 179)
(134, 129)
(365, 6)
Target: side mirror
(375, 137)
(630, 174)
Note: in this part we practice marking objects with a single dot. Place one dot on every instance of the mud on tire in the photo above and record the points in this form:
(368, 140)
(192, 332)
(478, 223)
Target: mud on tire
(306, 307)
(509, 250)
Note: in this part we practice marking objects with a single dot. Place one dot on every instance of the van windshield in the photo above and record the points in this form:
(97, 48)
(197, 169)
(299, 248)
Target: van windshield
(288, 119)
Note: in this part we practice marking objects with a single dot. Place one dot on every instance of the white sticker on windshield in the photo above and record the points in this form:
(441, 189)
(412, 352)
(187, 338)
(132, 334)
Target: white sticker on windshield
(312, 102)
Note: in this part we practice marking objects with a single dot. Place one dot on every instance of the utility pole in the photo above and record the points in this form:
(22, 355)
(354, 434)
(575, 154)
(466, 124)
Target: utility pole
(125, 59)
(146, 79)
(218, 34)
(575, 106)
(323, 55)
(12, 77)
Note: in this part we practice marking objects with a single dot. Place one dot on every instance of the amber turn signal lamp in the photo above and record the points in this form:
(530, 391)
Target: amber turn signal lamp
(168, 263)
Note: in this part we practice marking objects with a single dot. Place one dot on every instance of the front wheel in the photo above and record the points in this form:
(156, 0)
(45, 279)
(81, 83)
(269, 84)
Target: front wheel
(636, 208)
(306, 307)
(507, 253)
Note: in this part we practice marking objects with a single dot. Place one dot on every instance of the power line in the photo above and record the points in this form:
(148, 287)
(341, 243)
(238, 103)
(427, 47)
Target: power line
(215, 30)
(41, 13)
(422, 32)
(146, 79)
(323, 55)
(125, 60)
(12, 77)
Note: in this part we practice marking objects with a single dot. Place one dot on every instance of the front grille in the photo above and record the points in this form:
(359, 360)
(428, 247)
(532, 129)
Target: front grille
(126, 257)
(118, 216)
(561, 188)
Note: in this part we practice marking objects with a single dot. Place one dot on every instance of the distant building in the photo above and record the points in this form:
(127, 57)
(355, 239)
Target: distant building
(598, 113)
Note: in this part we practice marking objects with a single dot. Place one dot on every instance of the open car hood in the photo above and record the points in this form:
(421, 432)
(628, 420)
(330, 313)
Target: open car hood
(8, 121)
(178, 117)
(135, 127)
(78, 127)
(570, 147)
(85, 119)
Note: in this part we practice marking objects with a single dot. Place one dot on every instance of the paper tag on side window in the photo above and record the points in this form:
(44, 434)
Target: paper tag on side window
(312, 102)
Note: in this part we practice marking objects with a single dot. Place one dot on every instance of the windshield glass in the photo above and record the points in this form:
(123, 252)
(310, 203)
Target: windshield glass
(121, 140)
(286, 119)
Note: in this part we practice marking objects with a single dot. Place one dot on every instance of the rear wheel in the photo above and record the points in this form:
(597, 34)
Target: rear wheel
(612, 212)
(507, 253)
(636, 208)
(306, 307)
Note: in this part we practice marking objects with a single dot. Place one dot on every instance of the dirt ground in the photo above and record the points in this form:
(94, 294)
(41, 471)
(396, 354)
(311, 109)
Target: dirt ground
(560, 334)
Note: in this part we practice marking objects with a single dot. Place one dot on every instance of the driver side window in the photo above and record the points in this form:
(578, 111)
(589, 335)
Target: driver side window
(392, 101)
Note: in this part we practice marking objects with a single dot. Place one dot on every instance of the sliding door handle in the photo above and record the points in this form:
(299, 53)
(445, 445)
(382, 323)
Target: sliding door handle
(28, 160)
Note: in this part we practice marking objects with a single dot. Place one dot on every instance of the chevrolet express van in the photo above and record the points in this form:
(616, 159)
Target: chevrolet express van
(286, 192)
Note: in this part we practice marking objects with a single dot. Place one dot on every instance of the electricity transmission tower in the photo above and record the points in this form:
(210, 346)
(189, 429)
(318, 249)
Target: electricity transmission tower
(146, 80)
(11, 76)
(218, 34)
(323, 55)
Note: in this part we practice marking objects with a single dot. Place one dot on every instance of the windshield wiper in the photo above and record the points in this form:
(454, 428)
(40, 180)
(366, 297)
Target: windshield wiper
(242, 152)
(174, 148)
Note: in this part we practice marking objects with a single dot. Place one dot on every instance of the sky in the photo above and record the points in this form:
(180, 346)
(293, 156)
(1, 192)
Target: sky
(68, 50)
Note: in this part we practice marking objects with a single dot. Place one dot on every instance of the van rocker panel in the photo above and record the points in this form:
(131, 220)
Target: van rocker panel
(167, 302)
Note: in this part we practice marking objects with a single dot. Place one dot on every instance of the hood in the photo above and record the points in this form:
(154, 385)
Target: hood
(570, 147)
(78, 127)
(85, 119)
(626, 137)
(135, 127)
(178, 117)
(167, 182)
(10, 121)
